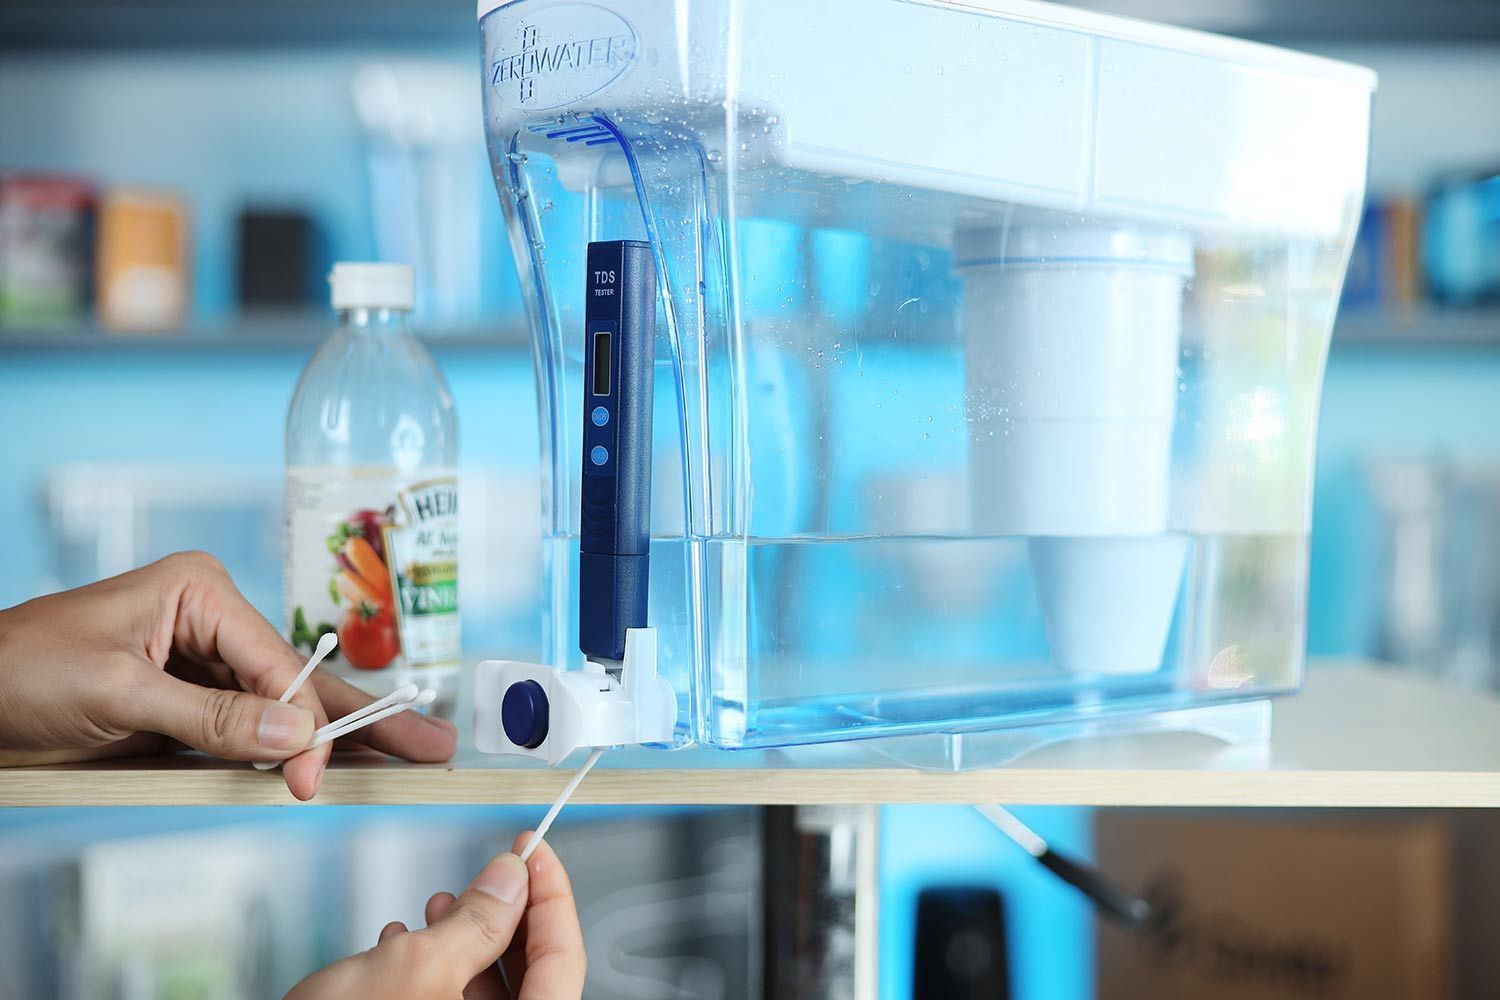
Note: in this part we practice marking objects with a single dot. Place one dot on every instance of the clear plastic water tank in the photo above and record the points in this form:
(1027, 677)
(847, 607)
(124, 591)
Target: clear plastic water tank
(989, 354)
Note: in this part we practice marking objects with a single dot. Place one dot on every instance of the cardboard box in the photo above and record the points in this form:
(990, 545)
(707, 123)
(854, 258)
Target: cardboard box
(1259, 908)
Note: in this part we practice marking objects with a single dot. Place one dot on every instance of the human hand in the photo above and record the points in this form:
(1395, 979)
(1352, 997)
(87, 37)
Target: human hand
(532, 930)
(172, 654)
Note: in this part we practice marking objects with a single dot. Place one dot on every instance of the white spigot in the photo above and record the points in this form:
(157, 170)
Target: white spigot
(545, 713)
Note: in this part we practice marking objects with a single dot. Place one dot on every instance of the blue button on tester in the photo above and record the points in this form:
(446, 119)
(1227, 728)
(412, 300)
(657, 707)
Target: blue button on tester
(524, 714)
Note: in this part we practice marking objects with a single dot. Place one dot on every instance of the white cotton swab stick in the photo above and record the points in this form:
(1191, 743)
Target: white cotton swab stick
(325, 646)
(404, 693)
(343, 727)
(406, 696)
(326, 643)
(561, 800)
(1117, 903)
(1013, 828)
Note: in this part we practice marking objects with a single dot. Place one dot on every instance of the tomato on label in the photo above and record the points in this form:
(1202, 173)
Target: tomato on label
(368, 637)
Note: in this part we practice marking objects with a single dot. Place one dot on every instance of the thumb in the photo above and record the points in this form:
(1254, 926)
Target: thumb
(474, 933)
(233, 724)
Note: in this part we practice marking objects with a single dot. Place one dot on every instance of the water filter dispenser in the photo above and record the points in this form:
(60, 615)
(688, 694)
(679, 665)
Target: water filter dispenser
(988, 348)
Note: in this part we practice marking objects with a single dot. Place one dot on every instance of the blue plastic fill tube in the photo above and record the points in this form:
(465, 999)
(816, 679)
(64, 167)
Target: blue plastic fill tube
(618, 373)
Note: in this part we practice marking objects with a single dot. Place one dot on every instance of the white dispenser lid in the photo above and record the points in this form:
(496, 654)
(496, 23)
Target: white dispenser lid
(372, 286)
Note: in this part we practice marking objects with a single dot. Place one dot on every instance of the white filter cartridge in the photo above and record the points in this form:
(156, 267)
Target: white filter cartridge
(1108, 601)
(1072, 335)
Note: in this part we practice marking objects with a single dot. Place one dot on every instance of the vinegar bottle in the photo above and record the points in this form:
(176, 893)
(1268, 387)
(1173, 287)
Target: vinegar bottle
(371, 514)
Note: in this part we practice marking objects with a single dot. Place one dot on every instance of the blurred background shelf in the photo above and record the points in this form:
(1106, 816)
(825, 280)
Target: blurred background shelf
(1417, 329)
(196, 24)
(250, 334)
(1358, 735)
(1420, 328)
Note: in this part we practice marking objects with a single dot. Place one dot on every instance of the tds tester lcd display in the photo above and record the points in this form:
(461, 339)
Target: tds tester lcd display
(601, 362)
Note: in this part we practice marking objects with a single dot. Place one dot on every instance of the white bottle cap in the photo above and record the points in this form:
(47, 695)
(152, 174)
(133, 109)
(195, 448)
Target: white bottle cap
(372, 286)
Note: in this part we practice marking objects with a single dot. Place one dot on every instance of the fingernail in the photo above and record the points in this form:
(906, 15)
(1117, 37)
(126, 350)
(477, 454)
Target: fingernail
(285, 727)
(504, 878)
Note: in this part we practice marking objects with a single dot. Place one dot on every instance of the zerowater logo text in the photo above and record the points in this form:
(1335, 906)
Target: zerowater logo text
(559, 54)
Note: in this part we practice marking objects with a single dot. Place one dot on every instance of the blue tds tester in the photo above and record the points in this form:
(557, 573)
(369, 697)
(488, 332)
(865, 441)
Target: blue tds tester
(548, 712)
(618, 370)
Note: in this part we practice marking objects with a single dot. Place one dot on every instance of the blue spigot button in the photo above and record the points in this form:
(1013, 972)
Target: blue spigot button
(601, 416)
(524, 715)
(599, 455)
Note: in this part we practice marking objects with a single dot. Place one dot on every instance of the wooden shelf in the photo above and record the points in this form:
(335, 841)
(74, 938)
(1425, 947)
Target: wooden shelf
(1357, 736)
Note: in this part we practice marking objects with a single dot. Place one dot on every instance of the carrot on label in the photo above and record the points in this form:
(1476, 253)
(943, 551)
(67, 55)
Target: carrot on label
(368, 564)
(356, 591)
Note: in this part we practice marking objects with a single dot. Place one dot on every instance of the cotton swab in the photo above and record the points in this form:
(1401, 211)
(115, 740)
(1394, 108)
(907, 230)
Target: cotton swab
(343, 727)
(404, 693)
(326, 643)
(1113, 901)
(558, 803)
(404, 697)
(1013, 828)
(325, 646)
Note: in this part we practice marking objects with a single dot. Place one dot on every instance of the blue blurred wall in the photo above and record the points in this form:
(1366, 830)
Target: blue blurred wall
(1379, 403)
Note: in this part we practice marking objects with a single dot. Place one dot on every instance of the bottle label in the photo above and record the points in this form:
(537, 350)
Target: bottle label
(373, 556)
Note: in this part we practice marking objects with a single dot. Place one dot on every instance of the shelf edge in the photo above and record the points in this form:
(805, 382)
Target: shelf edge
(34, 787)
